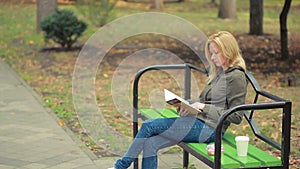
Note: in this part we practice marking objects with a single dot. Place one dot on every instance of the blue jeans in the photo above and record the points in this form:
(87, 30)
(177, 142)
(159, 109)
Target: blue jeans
(156, 134)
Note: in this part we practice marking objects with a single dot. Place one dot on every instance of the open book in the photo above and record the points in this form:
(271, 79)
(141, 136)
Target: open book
(177, 101)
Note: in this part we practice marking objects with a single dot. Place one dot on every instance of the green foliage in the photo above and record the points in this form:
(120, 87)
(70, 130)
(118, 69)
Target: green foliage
(97, 11)
(63, 27)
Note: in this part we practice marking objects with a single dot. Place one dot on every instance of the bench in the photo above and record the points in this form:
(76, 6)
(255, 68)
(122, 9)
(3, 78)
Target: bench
(256, 158)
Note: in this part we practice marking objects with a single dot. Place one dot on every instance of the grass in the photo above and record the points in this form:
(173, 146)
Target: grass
(50, 72)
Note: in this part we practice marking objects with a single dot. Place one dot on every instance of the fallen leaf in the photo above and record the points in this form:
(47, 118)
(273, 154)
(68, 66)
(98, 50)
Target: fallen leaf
(62, 123)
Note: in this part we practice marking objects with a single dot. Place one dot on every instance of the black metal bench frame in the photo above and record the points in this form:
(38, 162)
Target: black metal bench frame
(276, 103)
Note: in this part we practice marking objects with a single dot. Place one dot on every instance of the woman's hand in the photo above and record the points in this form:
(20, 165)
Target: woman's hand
(198, 105)
(183, 112)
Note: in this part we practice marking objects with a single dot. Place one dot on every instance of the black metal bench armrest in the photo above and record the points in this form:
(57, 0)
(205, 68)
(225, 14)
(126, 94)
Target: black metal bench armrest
(186, 66)
(285, 105)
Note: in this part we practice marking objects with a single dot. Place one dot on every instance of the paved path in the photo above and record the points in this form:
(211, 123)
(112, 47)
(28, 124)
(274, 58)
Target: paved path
(30, 137)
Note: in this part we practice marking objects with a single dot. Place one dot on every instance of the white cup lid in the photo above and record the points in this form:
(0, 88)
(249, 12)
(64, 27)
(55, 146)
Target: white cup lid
(241, 138)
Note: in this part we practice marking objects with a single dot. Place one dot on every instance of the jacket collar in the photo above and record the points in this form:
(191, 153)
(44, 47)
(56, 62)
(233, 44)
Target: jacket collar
(230, 69)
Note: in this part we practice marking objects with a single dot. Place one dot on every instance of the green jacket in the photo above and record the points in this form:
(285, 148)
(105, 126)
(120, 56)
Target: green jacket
(228, 89)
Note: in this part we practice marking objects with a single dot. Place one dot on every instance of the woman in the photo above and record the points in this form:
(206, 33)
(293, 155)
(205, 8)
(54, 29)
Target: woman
(226, 87)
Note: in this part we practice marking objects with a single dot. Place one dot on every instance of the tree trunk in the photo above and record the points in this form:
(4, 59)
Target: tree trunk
(44, 8)
(256, 17)
(283, 30)
(227, 9)
(158, 4)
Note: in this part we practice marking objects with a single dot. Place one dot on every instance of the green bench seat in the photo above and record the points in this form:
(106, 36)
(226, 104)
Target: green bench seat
(256, 157)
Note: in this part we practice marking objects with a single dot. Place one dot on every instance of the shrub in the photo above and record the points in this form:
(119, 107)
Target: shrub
(62, 27)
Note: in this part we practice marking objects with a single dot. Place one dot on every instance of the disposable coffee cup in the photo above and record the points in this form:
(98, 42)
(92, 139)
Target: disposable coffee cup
(242, 145)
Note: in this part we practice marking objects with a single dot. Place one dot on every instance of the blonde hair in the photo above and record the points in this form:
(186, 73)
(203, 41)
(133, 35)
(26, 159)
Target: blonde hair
(229, 47)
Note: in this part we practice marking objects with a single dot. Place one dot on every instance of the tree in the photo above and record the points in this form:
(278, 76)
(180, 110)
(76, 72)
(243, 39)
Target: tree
(256, 17)
(283, 29)
(227, 9)
(158, 4)
(44, 8)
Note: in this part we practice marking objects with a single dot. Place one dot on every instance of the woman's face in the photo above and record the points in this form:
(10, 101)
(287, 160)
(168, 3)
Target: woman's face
(217, 56)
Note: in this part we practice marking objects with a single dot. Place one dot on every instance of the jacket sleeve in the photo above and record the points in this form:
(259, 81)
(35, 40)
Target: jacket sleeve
(238, 88)
(235, 95)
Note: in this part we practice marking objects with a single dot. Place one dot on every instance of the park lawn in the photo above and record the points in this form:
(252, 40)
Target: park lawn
(49, 72)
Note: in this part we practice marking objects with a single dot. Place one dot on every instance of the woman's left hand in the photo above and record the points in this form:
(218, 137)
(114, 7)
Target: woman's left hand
(198, 105)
